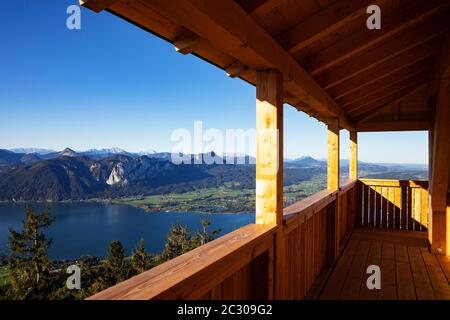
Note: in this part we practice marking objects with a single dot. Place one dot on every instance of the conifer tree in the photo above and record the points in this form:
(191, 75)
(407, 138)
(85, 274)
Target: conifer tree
(180, 240)
(203, 236)
(28, 262)
(116, 268)
(140, 258)
(177, 242)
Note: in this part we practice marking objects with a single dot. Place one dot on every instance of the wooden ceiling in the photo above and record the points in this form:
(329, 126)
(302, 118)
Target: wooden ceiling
(333, 65)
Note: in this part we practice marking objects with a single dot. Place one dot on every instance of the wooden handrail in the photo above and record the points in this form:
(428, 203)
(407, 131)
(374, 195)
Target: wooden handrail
(395, 183)
(347, 186)
(313, 203)
(193, 274)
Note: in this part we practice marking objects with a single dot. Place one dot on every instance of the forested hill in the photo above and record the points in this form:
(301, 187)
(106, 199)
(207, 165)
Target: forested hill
(68, 175)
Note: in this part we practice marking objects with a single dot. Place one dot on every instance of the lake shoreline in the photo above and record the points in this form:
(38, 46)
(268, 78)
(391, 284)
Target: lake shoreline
(119, 202)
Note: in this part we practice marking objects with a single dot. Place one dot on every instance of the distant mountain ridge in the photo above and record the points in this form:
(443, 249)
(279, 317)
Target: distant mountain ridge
(111, 173)
(71, 175)
(31, 150)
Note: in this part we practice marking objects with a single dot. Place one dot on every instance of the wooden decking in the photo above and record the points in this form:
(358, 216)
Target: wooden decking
(408, 270)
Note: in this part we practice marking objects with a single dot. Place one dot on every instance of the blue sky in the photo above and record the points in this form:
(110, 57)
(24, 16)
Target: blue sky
(111, 84)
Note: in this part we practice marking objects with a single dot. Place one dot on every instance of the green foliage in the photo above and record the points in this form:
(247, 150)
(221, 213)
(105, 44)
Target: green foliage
(140, 259)
(28, 263)
(177, 242)
(180, 240)
(115, 269)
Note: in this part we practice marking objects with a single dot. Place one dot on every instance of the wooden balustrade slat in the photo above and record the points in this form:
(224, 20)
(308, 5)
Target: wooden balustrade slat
(377, 221)
(384, 207)
(366, 204)
(391, 208)
(372, 208)
(359, 205)
(397, 207)
(417, 209)
(424, 209)
(410, 209)
(403, 208)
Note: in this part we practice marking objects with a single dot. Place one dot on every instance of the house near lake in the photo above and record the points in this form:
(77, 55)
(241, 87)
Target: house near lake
(324, 59)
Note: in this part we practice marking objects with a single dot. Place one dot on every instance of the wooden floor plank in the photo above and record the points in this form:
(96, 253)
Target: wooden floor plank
(444, 261)
(337, 278)
(405, 282)
(374, 258)
(388, 289)
(422, 283)
(438, 279)
(352, 284)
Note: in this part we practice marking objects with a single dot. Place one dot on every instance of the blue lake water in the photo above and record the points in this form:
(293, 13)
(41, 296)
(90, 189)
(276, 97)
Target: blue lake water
(88, 228)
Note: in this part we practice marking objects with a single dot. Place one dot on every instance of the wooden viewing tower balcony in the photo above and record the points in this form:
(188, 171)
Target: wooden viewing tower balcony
(320, 58)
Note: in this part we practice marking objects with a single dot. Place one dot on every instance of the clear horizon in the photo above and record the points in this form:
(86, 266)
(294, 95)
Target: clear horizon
(163, 151)
(113, 84)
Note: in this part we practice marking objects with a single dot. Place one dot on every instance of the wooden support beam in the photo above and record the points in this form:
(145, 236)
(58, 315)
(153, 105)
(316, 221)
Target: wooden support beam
(393, 23)
(396, 111)
(441, 67)
(366, 105)
(393, 126)
(187, 42)
(97, 5)
(269, 163)
(384, 52)
(236, 69)
(441, 171)
(398, 98)
(333, 154)
(353, 164)
(333, 184)
(227, 27)
(366, 111)
(269, 147)
(424, 53)
(417, 71)
(323, 23)
(264, 7)
(432, 109)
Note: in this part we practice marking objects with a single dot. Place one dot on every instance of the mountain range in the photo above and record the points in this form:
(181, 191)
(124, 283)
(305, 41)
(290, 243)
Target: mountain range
(111, 173)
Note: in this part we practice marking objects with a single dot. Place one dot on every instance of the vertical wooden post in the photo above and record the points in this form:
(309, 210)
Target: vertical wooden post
(269, 166)
(333, 184)
(439, 232)
(353, 175)
(333, 154)
(353, 165)
(431, 107)
(269, 147)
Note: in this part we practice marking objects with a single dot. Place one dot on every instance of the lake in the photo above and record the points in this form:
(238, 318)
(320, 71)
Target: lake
(88, 228)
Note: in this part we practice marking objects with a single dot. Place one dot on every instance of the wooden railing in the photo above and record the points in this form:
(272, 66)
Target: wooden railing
(238, 265)
(306, 241)
(393, 204)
